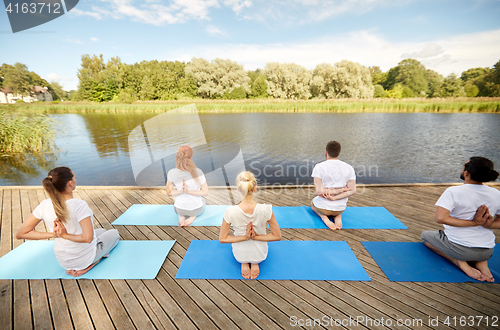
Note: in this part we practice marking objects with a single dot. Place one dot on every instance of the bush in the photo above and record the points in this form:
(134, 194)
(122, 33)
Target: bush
(236, 94)
(125, 96)
(379, 91)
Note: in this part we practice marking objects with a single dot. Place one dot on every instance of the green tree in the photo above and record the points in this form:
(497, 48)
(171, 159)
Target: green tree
(58, 92)
(378, 77)
(452, 86)
(345, 79)
(287, 81)
(379, 91)
(476, 82)
(218, 77)
(18, 78)
(258, 84)
(90, 76)
(434, 81)
(410, 73)
(396, 92)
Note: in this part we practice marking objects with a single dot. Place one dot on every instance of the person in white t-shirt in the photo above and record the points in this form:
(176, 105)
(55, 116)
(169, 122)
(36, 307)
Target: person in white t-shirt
(466, 212)
(249, 221)
(78, 246)
(190, 185)
(334, 181)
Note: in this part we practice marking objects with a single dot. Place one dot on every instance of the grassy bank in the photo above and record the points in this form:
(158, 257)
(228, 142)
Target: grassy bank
(334, 106)
(21, 133)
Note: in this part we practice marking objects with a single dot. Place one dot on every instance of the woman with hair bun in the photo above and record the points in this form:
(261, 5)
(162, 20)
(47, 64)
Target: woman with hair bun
(78, 246)
(249, 221)
(190, 186)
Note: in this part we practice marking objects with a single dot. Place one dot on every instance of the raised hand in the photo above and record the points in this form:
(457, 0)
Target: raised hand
(59, 229)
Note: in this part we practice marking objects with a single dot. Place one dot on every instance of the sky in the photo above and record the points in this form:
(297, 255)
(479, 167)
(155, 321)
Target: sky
(448, 36)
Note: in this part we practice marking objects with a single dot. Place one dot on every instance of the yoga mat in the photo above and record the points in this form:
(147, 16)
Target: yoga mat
(414, 262)
(352, 218)
(35, 260)
(286, 260)
(164, 215)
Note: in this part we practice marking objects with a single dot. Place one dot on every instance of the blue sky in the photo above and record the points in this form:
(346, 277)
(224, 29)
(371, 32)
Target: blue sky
(445, 35)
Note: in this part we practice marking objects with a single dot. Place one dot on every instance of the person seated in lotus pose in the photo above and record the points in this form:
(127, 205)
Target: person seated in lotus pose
(249, 221)
(78, 246)
(190, 185)
(466, 212)
(334, 181)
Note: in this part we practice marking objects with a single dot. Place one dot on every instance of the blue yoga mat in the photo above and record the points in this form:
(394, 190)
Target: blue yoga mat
(164, 215)
(352, 218)
(414, 262)
(34, 260)
(286, 260)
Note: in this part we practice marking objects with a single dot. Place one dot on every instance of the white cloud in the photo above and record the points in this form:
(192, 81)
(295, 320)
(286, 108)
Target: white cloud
(71, 40)
(454, 54)
(213, 30)
(94, 39)
(238, 5)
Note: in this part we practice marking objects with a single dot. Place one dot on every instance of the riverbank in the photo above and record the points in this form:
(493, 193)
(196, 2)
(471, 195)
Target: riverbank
(446, 105)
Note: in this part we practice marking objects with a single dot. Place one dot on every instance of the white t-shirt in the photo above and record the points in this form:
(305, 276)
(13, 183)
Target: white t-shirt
(462, 202)
(249, 251)
(186, 201)
(70, 255)
(333, 173)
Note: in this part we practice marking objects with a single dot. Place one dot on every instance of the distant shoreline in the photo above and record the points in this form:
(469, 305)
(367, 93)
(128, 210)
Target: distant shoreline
(411, 105)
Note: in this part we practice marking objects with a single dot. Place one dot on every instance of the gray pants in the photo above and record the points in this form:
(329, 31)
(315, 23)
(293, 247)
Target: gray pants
(106, 241)
(190, 213)
(439, 240)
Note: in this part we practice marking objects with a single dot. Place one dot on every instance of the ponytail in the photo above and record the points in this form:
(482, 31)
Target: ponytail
(246, 183)
(54, 184)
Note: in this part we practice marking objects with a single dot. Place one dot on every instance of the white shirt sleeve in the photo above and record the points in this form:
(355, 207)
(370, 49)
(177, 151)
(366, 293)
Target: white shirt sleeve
(82, 211)
(201, 176)
(316, 173)
(227, 215)
(38, 211)
(446, 200)
(269, 212)
(353, 174)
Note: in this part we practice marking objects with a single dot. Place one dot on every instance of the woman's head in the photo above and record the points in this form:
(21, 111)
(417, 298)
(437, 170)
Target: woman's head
(55, 184)
(184, 162)
(246, 183)
(480, 169)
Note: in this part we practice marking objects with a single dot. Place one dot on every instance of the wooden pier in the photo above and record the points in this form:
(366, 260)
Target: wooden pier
(167, 303)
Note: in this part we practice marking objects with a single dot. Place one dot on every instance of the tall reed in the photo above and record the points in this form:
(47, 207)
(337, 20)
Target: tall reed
(20, 132)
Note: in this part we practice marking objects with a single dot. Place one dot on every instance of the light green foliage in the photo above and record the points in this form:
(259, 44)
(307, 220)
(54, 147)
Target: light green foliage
(410, 73)
(237, 93)
(343, 80)
(452, 86)
(287, 81)
(218, 77)
(396, 92)
(379, 91)
(126, 95)
(471, 90)
(493, 80)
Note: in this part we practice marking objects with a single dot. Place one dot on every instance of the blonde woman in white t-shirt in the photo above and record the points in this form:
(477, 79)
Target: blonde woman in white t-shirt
(190, 185)
(78, 246)
(249, 221)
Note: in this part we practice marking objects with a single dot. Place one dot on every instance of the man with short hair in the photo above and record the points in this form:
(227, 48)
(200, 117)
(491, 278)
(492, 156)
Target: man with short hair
(466, 213)
(334, 181)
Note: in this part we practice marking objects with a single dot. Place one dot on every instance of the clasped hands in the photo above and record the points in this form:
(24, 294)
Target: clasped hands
(330, 192)
(250, 234)
(59, 229)
(184, 186)
(483, 217)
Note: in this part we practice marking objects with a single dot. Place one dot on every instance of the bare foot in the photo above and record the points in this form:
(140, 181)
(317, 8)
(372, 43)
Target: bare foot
(254, 271)
(470, 271)
(482, 266)
(181, 221)
(245, 271)
(338, 221)
(77, 273)
(328, 223)
(189, 221)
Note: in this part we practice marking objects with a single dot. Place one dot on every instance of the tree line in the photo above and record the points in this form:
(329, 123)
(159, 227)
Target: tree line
(101, 81)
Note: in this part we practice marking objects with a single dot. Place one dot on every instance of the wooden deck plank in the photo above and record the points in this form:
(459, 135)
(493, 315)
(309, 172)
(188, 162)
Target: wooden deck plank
(40, 305)
(58, 307)
(78, 310)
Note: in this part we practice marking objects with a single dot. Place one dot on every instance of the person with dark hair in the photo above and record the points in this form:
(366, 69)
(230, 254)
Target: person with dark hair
(466, 211)
(78, 246)
(190, 186)
(334, 181)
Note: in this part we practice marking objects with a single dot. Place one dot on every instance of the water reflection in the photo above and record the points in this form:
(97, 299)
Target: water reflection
(22, 168)
(383, 148)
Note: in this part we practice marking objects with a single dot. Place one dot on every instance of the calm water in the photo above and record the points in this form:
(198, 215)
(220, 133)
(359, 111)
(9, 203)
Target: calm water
(280, 148)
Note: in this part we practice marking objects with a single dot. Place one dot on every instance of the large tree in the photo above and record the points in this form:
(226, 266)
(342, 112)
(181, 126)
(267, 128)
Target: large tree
(287, 81)
(409, 73)
(217, 77)
(452, 86)
(18, 78)
(345, 79)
